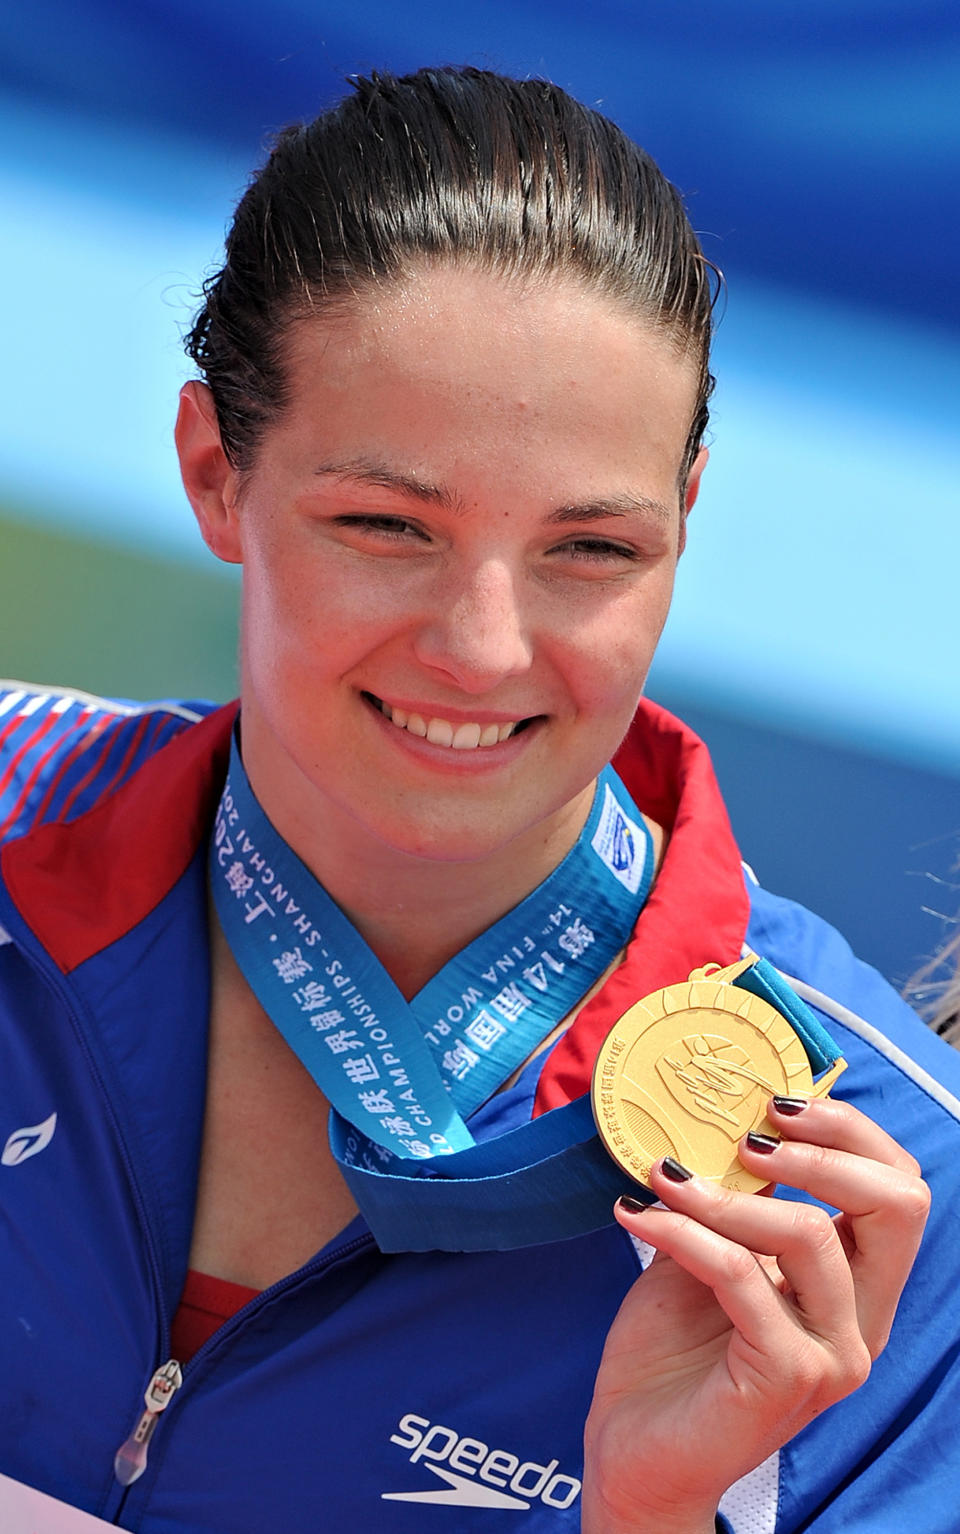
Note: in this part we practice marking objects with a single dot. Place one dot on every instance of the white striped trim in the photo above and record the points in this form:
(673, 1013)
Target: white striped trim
(880, 1042)
(4, 937)
(108, 705)
(871, 1035)
(750, 1504)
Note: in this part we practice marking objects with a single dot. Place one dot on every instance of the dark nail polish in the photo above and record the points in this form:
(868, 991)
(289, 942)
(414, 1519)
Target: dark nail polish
(790, 1105)
(631, 1205)
(674, 1171)
(762, 1143)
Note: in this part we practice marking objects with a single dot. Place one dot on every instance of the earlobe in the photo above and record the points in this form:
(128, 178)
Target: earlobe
(690, 494)
(208, 476)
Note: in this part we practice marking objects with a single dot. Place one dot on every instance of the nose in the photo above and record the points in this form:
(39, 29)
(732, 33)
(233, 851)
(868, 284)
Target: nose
(477, 635)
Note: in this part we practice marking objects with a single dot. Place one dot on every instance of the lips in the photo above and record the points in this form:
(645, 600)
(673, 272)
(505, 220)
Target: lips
(443, 732)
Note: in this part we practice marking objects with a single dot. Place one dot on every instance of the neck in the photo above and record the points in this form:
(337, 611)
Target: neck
(415, 912)
(429, 915)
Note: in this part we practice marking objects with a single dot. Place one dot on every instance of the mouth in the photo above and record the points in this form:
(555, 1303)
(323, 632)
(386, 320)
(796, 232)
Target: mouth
(443, 732)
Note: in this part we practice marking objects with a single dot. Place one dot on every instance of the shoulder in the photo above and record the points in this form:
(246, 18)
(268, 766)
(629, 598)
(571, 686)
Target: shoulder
(62, 751)
(899, 1072)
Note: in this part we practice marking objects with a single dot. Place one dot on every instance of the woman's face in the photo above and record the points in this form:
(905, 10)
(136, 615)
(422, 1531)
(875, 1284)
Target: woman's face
(459, 545)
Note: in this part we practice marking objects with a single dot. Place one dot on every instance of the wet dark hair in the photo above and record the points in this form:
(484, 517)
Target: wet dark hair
(455, 165)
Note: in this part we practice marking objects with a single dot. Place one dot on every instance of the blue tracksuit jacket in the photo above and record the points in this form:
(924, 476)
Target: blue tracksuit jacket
(404, 1393)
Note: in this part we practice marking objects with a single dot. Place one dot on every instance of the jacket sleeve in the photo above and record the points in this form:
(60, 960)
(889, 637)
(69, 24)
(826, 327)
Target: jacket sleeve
(887, 1458)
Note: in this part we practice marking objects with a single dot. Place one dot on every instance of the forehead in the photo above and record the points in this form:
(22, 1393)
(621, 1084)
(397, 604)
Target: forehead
(556, 322)
(453, 363)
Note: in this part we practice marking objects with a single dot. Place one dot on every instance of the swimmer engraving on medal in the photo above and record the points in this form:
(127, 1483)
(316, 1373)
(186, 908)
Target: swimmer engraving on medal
(711, 1070)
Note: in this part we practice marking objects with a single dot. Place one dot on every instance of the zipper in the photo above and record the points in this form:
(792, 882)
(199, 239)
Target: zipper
(130, 1460)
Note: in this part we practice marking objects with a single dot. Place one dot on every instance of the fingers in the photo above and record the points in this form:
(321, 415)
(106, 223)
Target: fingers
(827, 1121)
(729, 1268)
(771, 1356)
(843, 1159)
(717, 1242)
(845, 1274)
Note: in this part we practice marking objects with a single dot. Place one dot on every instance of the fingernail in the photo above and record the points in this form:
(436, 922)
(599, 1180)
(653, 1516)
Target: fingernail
(631, 1205)
(791, 1104)
(762, 1143)
(674, 1171)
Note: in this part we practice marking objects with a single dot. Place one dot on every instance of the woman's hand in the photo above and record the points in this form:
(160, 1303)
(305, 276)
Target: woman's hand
(755, 1315)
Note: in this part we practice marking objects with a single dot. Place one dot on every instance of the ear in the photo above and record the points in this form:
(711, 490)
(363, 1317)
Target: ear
(690, 494)
(209, 479)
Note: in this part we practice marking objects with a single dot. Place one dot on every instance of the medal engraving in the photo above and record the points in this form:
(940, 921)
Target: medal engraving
(687, 1071)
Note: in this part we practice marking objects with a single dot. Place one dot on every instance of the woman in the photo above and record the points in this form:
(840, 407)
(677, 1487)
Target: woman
(454, 384)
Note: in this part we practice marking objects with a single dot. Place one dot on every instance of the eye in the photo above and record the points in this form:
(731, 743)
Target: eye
(597, 550)
(381, 527)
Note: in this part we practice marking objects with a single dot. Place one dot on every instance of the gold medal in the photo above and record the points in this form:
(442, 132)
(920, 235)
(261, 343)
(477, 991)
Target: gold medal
(688, 1071)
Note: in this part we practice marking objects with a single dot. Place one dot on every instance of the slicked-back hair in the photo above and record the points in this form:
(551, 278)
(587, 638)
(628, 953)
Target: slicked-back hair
(460, 166)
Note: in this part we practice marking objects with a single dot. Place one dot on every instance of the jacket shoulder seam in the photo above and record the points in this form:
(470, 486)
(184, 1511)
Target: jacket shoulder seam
(878, 1040)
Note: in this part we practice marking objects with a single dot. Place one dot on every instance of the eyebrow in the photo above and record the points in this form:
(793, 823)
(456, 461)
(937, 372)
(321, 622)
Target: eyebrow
(596, 510)
(391, 479)
(612, 506)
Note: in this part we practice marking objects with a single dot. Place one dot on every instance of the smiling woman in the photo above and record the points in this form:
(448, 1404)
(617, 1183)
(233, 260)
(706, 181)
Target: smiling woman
(508, 563)
(370, 934)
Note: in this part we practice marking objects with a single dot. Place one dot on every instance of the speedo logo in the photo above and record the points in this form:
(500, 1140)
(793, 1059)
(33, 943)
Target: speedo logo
(476, 1475)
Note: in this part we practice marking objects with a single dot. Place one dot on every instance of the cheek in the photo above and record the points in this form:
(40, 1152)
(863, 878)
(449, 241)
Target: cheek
(298, 609)
(609, 656)
(286, 627)
(275, 609)
(609, 694)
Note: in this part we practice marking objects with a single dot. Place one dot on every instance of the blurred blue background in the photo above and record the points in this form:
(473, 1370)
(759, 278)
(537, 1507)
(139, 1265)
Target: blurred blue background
(814, 638)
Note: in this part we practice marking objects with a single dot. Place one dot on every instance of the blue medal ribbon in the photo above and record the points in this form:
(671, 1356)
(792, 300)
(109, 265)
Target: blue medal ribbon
(549, 1179)
(405, 1074)
(402, 1077)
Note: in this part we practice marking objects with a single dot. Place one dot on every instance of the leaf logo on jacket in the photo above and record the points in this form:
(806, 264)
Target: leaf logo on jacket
(24, 1143)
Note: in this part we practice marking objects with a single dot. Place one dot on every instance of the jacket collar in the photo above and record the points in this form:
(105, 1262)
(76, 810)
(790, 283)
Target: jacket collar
(698, 909)
(83, 885)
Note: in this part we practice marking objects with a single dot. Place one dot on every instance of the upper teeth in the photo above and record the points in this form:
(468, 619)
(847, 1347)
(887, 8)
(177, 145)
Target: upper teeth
(440, 732)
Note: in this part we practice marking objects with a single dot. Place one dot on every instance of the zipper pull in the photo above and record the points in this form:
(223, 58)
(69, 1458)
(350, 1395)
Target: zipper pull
(130, 1460)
